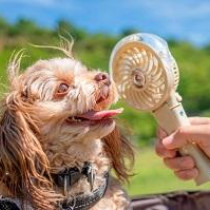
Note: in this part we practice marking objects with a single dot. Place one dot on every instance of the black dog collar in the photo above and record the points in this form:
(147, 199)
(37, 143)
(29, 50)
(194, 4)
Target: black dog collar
(8, 204)
(84, 202)
(66, 178)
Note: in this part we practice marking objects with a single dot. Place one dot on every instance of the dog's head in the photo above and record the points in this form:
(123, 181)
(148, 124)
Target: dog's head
(69, 100)
(52, 102)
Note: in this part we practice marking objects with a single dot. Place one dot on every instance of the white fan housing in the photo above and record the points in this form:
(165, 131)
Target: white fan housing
(144, 70)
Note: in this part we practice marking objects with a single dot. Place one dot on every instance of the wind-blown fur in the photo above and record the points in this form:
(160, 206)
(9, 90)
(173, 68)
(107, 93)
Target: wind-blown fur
(37, 139)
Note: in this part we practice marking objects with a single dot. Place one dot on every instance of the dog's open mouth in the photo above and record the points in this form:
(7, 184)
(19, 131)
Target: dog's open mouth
(94, 116)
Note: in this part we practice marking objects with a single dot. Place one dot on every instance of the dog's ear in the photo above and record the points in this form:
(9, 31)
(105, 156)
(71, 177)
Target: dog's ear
(119, 149)
(24, 166)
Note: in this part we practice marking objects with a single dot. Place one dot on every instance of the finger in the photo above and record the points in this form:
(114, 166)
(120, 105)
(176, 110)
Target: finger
(161, 133)
(187, 174)
(162, 151)
(159, 148)
(199, 120)
(179, 163)
(199, 134)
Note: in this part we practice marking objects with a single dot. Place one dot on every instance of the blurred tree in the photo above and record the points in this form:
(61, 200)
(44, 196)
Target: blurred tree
(64, 26)
(172, 42)
(3, 26)
(29, 30)
(207, 48)
(22, 27)
(129, 31)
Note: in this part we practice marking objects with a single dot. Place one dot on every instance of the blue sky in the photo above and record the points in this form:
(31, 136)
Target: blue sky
(181, 19)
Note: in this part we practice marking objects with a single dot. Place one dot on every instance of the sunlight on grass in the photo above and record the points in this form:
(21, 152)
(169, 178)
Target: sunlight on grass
(152, 176)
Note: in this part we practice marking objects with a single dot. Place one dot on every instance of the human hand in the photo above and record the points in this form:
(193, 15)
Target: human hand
(168, 146)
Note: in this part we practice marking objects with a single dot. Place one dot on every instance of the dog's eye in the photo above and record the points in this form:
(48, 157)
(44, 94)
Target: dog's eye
(63, 88)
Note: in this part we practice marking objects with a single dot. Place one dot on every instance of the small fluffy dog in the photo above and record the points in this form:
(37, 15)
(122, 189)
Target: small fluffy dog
(58, 140)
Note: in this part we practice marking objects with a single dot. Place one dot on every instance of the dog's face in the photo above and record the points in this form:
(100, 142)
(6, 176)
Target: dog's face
(69, 100)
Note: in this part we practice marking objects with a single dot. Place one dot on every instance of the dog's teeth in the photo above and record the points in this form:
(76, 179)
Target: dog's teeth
(75, 119)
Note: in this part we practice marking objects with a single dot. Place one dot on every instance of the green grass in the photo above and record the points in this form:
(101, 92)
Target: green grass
(152, 176)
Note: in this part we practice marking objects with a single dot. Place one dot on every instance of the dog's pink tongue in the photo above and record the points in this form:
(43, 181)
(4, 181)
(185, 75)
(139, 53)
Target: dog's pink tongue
(92, 115)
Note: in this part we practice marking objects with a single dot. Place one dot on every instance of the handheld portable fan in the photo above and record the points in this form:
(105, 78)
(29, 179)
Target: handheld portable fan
(147, 76)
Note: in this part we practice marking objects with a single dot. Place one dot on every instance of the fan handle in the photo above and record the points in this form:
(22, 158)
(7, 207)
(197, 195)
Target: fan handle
(172, 111)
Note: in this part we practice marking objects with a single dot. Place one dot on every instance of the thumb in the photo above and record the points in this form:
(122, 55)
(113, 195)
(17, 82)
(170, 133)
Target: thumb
(199, 134)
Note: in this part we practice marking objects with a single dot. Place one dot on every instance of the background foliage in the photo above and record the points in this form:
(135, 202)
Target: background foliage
(94, 51)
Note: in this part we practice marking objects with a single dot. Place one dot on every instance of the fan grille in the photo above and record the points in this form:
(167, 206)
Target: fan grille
(140, 76)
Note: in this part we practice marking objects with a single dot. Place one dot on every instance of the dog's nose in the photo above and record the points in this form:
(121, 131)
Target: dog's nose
(103, 77)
